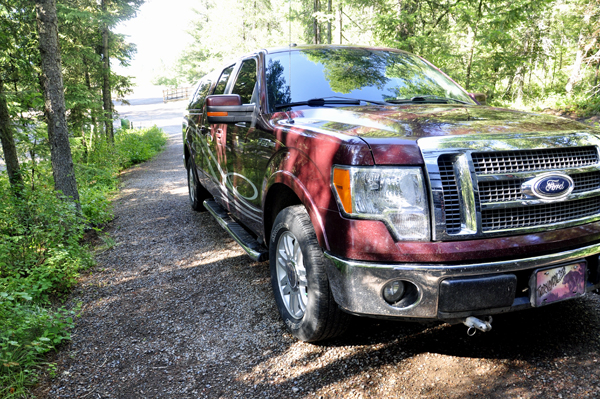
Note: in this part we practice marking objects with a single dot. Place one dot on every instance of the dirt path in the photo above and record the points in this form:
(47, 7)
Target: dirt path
(176, 310)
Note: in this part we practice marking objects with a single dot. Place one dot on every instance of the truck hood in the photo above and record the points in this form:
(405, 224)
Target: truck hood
(392, 131)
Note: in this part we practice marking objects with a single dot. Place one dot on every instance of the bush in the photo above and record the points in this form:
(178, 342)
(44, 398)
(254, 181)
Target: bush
(28, 331)
(41, 251)
(135, 146)
(40, 257)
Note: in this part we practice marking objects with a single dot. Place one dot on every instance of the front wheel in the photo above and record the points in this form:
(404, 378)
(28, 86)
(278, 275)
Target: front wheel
(299, 280)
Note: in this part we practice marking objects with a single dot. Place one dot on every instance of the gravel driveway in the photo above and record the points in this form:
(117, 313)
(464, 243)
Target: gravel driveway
(176, 310)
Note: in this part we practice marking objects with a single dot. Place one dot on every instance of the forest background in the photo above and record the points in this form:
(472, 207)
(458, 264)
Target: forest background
(527, 54)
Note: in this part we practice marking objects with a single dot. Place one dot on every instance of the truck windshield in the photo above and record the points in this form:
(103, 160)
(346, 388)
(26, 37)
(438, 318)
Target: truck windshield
(367, 75)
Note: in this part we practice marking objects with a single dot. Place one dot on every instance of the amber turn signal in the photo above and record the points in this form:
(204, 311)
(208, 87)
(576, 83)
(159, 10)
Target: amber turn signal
(216, 114)
(341, 182)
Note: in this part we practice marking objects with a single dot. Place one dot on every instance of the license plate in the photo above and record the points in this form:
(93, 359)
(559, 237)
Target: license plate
(558, 283)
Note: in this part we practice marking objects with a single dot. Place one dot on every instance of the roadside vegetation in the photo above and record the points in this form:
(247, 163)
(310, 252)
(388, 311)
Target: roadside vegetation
(61, 163)
(42, 249)
(526, 54)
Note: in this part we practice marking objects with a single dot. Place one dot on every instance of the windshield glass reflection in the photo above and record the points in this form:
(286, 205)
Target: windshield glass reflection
(372, 75)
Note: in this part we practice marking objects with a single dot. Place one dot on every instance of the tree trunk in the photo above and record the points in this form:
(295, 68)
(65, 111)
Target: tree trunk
(54, 96)
(106, 97)
(316, 25)
(576, 71)
(473, 42)
(329, 22)
(341, 12)
(596, 74)
(8, 145)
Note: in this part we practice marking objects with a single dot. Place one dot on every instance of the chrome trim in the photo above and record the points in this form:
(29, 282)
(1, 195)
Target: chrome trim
(356, 285)
(466, 193)
(461, 147)
(532, 201)
(531, 175)
(255, 255)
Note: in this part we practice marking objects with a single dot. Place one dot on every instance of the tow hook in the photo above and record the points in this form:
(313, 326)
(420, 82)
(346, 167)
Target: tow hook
(475, 324)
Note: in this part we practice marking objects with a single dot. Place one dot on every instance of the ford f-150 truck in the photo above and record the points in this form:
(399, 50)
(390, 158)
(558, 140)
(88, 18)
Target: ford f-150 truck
(377, 186)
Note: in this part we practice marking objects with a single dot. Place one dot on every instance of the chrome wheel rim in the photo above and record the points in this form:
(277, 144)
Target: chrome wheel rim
(291, 275)
(191, 184)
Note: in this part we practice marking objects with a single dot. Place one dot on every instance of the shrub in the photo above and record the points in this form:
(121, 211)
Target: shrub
(41, 251)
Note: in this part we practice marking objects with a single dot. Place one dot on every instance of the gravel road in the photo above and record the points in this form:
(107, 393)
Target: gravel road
(176, 310)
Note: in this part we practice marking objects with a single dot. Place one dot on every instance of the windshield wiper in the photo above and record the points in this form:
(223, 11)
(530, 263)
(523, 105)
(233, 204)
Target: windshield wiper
(319, 102)
(426, 99)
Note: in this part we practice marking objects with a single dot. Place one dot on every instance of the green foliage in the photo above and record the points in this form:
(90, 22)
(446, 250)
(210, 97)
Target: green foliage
(41, 251)
(135, 146)
(521, 53)
(28, 331)
(40, 257)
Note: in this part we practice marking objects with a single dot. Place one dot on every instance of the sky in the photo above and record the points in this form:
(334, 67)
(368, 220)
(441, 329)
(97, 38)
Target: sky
(159, 31)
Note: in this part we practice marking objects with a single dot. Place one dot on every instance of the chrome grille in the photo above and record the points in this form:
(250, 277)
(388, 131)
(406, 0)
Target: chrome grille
(538, 215)
(528, 160)
(510, 190)
(451, 201)
(476, 183)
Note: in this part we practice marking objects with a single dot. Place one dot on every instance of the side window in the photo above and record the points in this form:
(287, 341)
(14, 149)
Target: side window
(198, 100)
(246, 81)
(220, 88)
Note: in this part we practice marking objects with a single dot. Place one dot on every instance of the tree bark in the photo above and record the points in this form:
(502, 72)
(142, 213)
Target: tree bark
(329, 22)
(576, 71)
(8, 145)
(473, 42)
(341, 24)
(316, 25)
(596, 74)
(106, 96)
(54, 97)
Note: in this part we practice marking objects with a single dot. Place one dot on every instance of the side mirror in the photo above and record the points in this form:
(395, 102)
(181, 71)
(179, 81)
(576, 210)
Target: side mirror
(228, 108)
(479, 98)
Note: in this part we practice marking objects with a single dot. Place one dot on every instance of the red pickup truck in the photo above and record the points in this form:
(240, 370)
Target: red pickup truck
(377, 186)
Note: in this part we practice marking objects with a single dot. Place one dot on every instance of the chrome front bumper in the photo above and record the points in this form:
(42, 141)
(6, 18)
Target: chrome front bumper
(357, 286)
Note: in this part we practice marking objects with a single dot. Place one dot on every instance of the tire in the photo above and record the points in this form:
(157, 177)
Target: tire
(299, 280)
(197, 192)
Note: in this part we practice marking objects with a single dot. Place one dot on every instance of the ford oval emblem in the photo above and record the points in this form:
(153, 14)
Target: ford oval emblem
(549, 186)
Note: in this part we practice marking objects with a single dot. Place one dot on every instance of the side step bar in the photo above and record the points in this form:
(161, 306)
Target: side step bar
(255, 250)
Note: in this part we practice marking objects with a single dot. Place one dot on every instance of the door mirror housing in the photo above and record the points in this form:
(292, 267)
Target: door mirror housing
(228, 108)
(480, 98)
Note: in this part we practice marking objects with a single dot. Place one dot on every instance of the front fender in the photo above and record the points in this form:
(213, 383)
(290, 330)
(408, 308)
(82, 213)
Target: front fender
(295, 184)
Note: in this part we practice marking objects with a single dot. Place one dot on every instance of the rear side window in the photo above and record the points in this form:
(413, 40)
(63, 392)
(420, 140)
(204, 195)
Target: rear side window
(246, 82)
(220, 89)
(198, 100)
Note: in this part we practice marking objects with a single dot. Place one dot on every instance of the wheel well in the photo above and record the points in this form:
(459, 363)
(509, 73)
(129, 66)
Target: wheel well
(279, 197)
(186, 153)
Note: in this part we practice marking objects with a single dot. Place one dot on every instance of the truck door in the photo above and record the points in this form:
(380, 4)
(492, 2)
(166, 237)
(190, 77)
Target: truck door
(215, 159)
(243, 180)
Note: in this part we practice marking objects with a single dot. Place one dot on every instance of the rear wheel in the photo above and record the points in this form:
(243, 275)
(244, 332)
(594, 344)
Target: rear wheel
(197, 193)
(299, 280)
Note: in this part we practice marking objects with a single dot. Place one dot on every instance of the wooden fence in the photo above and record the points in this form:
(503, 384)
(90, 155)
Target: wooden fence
(176, 93)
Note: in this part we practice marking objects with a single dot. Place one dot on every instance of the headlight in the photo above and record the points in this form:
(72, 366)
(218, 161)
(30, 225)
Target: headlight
(393, 195)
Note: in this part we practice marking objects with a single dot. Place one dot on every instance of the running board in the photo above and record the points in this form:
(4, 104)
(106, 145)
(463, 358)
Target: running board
(255, 250)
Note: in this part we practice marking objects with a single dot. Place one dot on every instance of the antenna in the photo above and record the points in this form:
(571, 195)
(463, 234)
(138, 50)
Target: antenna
(290, 120)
